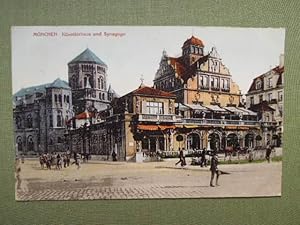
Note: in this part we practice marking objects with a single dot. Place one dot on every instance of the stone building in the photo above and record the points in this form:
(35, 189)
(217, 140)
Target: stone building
(40, 113)
(88, 81)
(196, 77)
(265, 96)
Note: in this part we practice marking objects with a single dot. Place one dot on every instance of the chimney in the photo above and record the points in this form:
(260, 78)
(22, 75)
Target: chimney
(281, 60)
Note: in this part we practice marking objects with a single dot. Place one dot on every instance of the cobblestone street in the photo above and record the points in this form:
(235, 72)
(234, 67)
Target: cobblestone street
(124, 180)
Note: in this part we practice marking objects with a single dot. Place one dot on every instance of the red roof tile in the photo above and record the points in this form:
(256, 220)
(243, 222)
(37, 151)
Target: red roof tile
(144, 90)
(183, 70)
(194, 41)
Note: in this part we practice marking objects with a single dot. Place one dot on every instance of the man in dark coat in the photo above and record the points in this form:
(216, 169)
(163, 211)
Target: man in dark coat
(214, 169)
(268, 152)
(203, 159)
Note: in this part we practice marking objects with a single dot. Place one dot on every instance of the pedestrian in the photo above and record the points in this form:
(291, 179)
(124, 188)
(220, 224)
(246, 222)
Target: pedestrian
(78, 162)
(22, 158)
(58, 162)
(203, 158)
(181, 158)
(48, 160)
(68, 159)
(65, 160)
(114, 156)
(214, 169)
(268, 152)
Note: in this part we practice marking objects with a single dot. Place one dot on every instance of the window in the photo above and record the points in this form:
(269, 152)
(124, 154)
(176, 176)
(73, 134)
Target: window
(280, 96)
(155, 108)
(103, 96)
(269, 82)
(18, 122)
(99, 95)
(55, 97)
(68, 99)
(258, 84)
(65, 98)
(29, 121)
(251, 100)
(59, 121)
(270, 97)
(261, 98)
(60, 98)
(101, 83)
(85, 82)
(51, 121)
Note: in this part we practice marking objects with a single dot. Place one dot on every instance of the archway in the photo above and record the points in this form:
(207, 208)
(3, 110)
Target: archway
(193, 141)
(232, 140)
(30, 143)
(249, 140)
(19, 144)
(214, 141)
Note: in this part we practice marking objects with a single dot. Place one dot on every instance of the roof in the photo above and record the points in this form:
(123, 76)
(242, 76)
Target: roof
(193, 41)
(87, 56)
(113, 92)
(149, 91)
(279, 70)
(215, 108)
(261, 107)
(58, 83)
(183, 70)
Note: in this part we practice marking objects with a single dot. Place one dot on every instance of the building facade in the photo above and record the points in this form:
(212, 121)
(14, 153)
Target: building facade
(265, 96)
(40, 114)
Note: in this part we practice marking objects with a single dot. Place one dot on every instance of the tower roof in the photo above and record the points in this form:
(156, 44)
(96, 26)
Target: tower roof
(58, 83)
(193, 41)
(87, 56)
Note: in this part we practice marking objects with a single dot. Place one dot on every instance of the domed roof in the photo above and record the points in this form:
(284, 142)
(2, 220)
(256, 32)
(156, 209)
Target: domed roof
(193, 41)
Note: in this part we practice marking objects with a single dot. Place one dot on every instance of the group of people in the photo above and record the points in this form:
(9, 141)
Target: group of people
(48, 160)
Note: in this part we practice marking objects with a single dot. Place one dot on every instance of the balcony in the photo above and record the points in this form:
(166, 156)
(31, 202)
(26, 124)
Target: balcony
(201, 121)
(156, 118)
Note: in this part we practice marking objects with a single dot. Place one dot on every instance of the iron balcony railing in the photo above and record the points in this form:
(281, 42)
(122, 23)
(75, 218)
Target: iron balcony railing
(219, 122)
(157, 117)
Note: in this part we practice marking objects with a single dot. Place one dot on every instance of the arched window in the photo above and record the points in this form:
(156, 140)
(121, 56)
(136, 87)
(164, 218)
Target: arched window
(258, 84)
(55, 97)
(100, 95)
(51, 121)
(59, 121)
(85, 82)
(18, 122)
(60, 98)
(65, 98)
(68, 99)
(19, 144)
(101, 83)
(30, 143)
(29, 121)
(103, 96)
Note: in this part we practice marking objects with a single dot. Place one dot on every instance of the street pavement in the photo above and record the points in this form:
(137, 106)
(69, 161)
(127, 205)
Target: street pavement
(127, 180)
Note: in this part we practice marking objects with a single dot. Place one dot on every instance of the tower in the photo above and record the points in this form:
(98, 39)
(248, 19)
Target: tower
(87, 79)
(192, 50)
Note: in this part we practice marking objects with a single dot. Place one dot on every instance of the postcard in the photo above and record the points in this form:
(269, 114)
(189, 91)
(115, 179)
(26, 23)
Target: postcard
(149, 112)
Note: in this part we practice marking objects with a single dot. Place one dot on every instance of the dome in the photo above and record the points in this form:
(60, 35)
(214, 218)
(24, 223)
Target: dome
(193, 41)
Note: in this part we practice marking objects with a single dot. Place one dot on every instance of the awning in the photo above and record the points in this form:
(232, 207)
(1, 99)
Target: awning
(215, 108)
(190, 126)
(84, 115)
(154, 127)
(181, 107)
(197, 107)
(236, 111)
(147, 127)
(249, 112)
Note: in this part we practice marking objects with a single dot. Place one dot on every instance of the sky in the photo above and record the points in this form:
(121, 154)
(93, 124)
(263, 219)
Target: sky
(40, 54)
